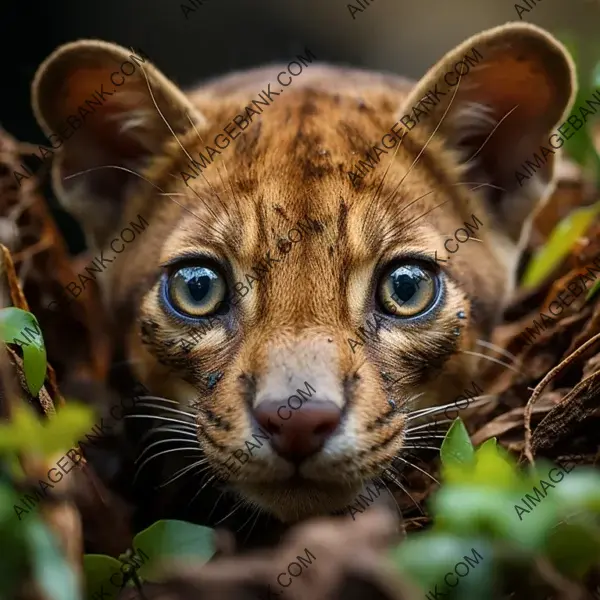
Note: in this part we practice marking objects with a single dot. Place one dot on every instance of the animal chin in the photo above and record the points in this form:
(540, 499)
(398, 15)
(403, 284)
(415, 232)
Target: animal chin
(298, 498)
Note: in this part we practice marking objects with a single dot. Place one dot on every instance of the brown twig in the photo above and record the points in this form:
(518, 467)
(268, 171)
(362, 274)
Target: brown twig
(539, 388)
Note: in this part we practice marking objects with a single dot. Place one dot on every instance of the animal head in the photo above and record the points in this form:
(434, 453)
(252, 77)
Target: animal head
(288, 266)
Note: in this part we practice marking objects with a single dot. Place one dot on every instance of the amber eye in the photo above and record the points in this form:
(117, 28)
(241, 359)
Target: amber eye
(196, 291)
(409, 290)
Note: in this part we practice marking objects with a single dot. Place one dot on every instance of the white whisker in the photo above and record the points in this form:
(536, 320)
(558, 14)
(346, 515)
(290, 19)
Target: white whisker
(202, 172)
(412, 399)
(497, 349)
(257, 512)
(477, 185)
(492, 133)
(491, 359)
(425, 425)
(214, 505)
(205, 484)
(163, 116)
(418, 469)
(405, 491)
(235, 507)
(430, 138)
(145, 450)
(182, 472)
(159, 398)
(137, 175)
(391, 493)
(430, 409)
(166, 408)
(159, 418)
(158, 454)
(474, 402)
(393, 232)
(162, 428)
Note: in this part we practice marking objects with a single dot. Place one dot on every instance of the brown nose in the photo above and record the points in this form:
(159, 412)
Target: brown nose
(304, 431)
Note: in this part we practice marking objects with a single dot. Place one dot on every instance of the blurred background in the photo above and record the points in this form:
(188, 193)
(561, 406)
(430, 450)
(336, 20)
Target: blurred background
(217, 36)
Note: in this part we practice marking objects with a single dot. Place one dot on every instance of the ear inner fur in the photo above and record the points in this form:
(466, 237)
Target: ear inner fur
(502, 110)
(522, 65)
(74, 71)
(128, 129)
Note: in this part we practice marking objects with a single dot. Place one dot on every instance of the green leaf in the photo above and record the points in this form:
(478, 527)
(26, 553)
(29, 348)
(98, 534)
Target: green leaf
(428, 557)
(593, 291)
(66, 428)
(493, 469)
(13, 465)
(470, 510)
(21, 328)
(7, 499)
(559, 244)
(22, 432)
(99, 569)
(580, 145)
(26, 432)
(492, 442)
(50, 570)
(457, 447)
(172, 539)
(596, 76)
(579, 490)
(574, 548)
(474, 511)
(14, 560)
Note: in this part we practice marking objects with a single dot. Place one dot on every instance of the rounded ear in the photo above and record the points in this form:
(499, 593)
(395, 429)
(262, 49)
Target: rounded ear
(100, 104)
(498, 97)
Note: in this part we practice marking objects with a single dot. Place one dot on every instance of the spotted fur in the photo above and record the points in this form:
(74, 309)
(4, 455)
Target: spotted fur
(291, 163)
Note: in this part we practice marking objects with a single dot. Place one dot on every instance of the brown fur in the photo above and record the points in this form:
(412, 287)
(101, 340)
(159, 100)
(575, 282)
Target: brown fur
(292, 162)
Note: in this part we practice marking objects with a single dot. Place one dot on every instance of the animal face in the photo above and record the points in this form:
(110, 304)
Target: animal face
(317, 308)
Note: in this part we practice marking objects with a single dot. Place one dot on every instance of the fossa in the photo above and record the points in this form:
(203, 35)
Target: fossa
(376, 236)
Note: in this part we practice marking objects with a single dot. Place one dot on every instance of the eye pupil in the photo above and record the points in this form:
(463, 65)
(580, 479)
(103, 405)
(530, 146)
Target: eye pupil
(196, 291)
(408, 290)
(406, 280)
(405, 287)
(198, 286)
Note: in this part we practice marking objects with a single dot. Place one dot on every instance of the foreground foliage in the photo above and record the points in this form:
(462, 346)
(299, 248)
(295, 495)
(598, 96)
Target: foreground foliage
(503, 519)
